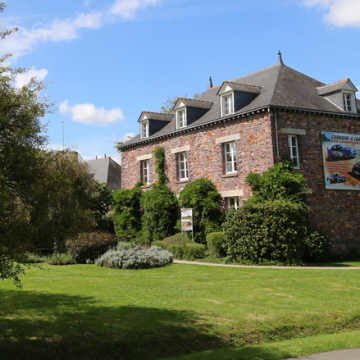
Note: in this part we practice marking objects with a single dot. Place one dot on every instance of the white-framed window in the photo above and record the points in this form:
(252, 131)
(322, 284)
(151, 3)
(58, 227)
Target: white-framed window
(347, 101)
(145, 175)
(183, 169)
(294, 151)
(144, 129)
(230, 157)
(181, 118)
(233, 202)
(227, 104)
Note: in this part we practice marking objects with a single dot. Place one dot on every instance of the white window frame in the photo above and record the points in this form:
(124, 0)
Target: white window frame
(291, 146)
(236, 202)
(182, 159)
(145, 166)
(178, 112)
(230, 149)
(345, 103)
(146, 124)
(227, 96)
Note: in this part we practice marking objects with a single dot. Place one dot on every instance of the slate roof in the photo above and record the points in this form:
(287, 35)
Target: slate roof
(197, 103)
(243, 87)
(157, 116)
(322, 90)
(106, 171)
(281, 86)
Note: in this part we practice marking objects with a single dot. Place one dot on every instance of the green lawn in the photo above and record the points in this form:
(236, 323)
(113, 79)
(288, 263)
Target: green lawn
(87, 312)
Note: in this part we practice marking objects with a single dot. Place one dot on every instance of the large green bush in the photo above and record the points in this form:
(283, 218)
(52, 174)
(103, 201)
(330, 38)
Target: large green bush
(127, 212)
(135, 257)
(279, 181)
(215, 243)
(267, 231)
(183, 249)
(160, 207)
(202, 196)
(89, 246)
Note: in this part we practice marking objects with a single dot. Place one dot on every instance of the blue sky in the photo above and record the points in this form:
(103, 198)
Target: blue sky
(108, 60)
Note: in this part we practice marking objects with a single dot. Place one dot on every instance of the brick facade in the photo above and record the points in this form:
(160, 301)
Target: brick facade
(206, 157)
(334, 210)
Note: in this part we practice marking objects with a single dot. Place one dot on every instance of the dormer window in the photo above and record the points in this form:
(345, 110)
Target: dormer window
(227, 104)
(181, 118)
(347, 100)
(144, 129)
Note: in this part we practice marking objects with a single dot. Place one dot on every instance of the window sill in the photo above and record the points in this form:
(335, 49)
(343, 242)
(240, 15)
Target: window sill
(230, 175)
(182, 181)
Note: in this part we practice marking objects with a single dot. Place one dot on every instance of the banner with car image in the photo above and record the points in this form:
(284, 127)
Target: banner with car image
(341, 156)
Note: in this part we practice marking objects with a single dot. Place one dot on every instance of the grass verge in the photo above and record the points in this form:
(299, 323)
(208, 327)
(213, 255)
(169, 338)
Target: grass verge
(87, 312)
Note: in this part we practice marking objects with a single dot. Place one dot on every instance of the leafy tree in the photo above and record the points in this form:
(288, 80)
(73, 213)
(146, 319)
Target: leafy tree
(127, 212)
(277, 182)
(168, 104)
(203, 197)
(102, 199)
(44, 195)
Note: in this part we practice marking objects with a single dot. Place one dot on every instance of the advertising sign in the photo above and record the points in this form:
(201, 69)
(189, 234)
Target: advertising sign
(186, 219)
(341, 156)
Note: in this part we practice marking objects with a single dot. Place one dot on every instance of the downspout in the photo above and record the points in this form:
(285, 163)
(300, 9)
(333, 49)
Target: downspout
(276, 134)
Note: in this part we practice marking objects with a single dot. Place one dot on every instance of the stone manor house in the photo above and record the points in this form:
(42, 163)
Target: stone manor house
(242, 126)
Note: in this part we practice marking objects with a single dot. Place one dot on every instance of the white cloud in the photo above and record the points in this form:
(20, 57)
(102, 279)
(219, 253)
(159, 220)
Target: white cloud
(128, 8)
(338, 12)
(24, 79)
(87, 113)
(25, 40)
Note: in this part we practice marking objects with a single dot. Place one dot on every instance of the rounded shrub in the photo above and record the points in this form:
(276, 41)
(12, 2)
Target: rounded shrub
(87, 247)
(182, 248)
(203, 197)
(160, 207)
(317, 246)
(60, 259)
(135, 257)
(215, 242)
(266, 231)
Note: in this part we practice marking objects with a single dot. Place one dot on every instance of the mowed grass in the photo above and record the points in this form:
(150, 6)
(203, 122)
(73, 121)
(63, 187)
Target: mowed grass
(87, 312)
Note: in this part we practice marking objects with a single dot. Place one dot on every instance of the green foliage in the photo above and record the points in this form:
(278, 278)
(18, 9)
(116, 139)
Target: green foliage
(159, 154)
(135, 257)
(101, 200)
(160, 207)
(202, 196)
(87, 247)
(215, 243)
(127, 212)
(60, 259)
(183, 249)
(317, 245)
(272, 231)
(32, 258)
(279, 181)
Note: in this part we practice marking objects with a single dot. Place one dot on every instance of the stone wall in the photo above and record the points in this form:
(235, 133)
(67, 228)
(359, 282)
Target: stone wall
(337, 211)
(206, 157)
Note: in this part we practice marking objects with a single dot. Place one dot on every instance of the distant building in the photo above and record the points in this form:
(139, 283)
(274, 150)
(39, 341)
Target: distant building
(106, 171)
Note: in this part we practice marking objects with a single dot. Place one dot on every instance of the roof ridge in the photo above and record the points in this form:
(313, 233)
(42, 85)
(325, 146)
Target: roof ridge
(154, 112)
(182, 98)
(336, 82)
(233, 82)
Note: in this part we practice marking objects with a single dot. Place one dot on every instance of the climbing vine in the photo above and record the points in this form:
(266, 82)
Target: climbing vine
(159, 154)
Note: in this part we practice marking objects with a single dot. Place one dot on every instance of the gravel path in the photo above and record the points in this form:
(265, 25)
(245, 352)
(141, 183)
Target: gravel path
(270, 267)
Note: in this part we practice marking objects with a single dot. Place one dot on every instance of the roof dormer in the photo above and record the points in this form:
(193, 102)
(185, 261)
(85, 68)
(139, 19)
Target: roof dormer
(189, 110)
(341, 94)
(234, 96)
(151, 122)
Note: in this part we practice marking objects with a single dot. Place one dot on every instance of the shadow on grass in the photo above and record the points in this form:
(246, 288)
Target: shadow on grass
(57, 326)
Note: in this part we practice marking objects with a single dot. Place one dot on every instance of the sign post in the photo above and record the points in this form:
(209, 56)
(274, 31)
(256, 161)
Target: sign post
(187, 221)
